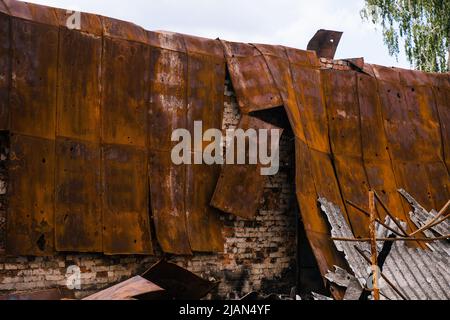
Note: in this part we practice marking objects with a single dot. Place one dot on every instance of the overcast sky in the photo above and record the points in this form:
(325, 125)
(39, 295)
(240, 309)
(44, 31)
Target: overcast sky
(287, 22)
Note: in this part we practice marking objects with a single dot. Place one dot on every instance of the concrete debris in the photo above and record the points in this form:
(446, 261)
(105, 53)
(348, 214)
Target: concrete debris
(418, 274)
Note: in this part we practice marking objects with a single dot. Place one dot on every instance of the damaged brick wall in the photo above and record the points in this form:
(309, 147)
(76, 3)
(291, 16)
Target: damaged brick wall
(259, 255)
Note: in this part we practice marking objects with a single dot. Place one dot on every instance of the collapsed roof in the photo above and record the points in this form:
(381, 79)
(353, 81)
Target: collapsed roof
(89, 111)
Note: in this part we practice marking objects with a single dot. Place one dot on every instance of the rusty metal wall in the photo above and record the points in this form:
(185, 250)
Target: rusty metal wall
(188, 82)
(205, 99)
(379, 128)
(30, 219)
(168, 112)
(126, 225)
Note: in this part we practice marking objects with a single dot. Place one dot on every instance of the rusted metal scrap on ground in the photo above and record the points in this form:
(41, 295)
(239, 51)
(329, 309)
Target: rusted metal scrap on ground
(110, 95)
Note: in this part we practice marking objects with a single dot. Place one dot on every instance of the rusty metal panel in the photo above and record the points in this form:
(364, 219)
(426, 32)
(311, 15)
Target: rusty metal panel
(125, 92)
(206, 83)
(252, 81)
(422, 115)
(399, 121)
(5, 70)
(168, 97)
(325, 43)
(441, 90)
(18, 9)
(78, 217)
(374, 141)
(439, 179)
(244, 180)
(306, 190)
(354, 187)
(126, 226)
(167, 189)
(30, 222)
(278, 64)
(343, 112)
(167, 40)
(79, 93)
(345, 136)
(34, 69)
(382, 179)
(304, 58)
(3, 8)
(168, 111)
(308, 86)
(127, 290)
(179, 283)
(412, 176)
(114, 28)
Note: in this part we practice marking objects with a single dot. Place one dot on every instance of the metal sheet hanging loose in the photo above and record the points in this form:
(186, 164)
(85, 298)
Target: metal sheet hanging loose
(78, 216)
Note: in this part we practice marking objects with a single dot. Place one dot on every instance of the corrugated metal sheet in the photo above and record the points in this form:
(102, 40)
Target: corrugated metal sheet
(419, 274)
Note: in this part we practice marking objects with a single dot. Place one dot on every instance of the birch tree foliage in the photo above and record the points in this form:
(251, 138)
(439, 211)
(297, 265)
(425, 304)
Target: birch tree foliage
(423, 25)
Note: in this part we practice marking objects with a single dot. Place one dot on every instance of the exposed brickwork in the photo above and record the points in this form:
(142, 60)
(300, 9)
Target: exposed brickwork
(259, 255)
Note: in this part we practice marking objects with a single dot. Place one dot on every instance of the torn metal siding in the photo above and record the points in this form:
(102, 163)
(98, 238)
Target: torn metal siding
(240, 187)
(414, 132)
(419, 274)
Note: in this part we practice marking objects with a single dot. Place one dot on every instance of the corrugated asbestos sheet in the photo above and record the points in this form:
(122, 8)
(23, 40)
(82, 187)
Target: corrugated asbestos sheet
(89, 112)
(418, 274)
